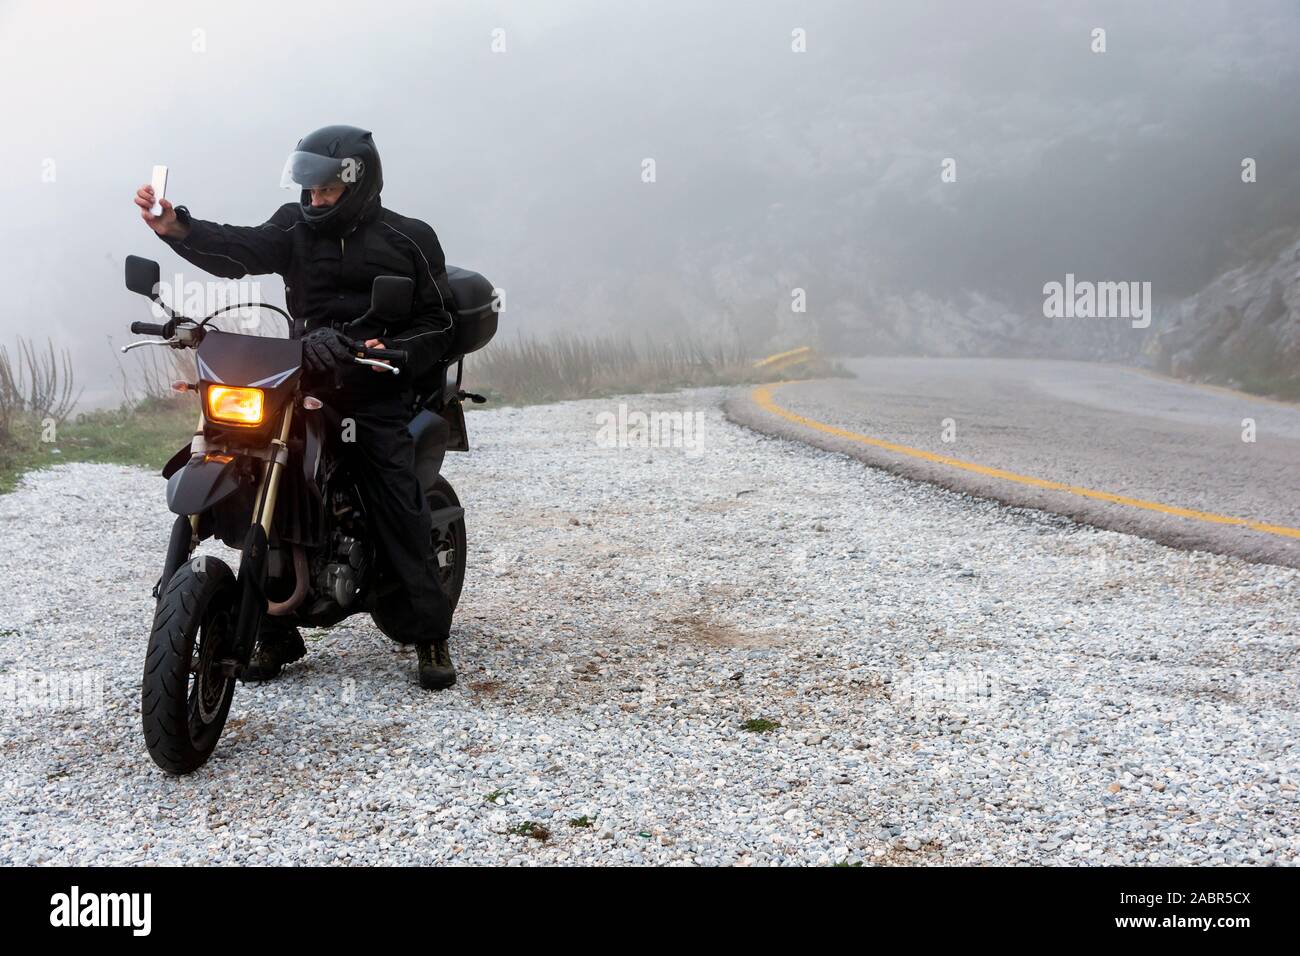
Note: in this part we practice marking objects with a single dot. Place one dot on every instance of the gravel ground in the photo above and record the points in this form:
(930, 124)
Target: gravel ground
(954, 681)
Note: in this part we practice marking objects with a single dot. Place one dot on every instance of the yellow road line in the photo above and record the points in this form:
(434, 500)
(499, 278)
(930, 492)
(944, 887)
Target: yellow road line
(780, 359)
(762, 397)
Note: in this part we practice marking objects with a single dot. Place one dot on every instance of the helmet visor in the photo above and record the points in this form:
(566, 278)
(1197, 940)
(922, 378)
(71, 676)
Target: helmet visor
(313, 171)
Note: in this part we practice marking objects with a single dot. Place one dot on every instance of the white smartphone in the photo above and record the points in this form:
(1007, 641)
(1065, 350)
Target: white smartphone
(159, 184)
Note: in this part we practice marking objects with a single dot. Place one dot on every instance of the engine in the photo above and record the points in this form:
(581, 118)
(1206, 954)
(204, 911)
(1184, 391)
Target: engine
(343, 571)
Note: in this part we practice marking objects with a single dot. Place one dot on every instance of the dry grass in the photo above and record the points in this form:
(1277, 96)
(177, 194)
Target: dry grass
(38, 396)
(35, 382)
(522, 371)
(146, 375)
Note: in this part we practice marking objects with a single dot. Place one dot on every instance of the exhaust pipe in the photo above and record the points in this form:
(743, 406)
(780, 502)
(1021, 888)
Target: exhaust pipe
(288, 606)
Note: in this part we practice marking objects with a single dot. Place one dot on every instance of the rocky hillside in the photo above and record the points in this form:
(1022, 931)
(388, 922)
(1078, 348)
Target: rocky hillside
(973, 324)
(1243, 329)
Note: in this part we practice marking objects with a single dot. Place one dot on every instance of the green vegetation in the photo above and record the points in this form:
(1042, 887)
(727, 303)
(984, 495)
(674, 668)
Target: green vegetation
(1259, 365)
(759, 725)
(38, 428)
(534, 831)
(1267, 377)
(146, 435)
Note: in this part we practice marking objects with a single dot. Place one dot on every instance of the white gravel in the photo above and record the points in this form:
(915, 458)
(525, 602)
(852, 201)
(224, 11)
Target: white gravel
(955, 682)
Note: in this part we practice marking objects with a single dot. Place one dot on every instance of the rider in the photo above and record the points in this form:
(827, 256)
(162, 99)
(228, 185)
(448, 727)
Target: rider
(329, 247)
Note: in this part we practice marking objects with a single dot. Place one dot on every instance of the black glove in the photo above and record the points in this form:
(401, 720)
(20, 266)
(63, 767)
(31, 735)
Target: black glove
(325, 349)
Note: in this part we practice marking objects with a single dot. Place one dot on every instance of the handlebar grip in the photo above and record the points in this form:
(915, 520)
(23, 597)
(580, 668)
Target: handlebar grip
(392, 356)
(148, 328)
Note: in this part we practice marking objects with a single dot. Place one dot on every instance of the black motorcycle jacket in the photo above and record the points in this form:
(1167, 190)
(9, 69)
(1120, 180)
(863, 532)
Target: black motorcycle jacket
(327, 279)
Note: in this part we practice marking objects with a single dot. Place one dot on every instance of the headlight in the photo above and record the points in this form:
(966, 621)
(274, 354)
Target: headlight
(233, 405)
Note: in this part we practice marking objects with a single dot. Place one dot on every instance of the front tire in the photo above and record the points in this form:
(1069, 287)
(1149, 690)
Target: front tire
(186, 695)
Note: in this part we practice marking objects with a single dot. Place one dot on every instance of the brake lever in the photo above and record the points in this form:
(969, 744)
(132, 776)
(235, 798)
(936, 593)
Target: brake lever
(136, 345)
(373, 363)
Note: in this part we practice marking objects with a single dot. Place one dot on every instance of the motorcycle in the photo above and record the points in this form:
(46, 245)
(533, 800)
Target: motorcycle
(263, 475)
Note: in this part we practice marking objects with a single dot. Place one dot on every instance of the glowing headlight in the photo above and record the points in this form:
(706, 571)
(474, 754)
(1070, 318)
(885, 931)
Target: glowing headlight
(233, 405)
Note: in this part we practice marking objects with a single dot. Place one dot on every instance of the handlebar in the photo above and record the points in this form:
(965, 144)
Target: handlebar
(392, 356)
(368, 356)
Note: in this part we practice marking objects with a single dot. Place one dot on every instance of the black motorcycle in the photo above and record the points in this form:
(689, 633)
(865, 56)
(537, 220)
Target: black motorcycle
(263, 475)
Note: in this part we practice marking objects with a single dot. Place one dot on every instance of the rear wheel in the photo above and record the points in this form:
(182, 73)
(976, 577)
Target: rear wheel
(187, 689)
(449, 552)
(448, 544)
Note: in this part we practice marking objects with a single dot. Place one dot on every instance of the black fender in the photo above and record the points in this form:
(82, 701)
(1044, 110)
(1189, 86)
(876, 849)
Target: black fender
(178, 551)
(201, 484)
(454, 412)
(177, 461)
(431, 432)
(444, 518)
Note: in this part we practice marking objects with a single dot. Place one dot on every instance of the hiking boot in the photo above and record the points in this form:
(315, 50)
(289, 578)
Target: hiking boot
(277, 644)
(436, 669)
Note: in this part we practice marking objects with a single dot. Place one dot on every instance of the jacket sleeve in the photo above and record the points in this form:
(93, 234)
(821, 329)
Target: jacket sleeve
(428, 335)
(233, 252)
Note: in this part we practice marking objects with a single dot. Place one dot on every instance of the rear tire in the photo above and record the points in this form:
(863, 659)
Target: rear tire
(185, 697)
(449, 551)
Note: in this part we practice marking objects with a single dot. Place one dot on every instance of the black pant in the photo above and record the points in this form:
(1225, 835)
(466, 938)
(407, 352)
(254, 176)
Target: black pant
(381, 459)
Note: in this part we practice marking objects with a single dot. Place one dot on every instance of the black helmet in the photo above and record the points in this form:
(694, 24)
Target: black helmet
(335, 155)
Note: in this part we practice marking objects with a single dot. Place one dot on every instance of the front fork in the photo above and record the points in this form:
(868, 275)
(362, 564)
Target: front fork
(252, 564)
(184, 537)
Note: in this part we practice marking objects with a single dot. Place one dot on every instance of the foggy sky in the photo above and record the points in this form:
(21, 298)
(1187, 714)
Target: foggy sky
(774, 169)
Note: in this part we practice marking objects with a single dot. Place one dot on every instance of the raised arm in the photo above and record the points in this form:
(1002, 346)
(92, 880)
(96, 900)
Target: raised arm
(231, 252)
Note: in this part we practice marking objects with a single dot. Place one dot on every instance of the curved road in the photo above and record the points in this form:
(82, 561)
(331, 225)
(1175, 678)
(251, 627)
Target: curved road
(1113, 447)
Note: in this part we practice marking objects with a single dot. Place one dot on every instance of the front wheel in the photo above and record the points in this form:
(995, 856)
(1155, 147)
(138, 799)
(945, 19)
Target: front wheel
(187, 685)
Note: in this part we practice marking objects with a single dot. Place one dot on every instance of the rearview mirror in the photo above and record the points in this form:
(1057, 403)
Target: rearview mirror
(142, 276)
(390, 297)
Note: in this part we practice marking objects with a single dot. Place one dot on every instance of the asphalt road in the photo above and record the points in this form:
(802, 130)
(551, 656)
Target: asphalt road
(1113, 447)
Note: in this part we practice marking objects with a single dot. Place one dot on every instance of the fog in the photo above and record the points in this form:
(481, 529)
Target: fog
(774, 170)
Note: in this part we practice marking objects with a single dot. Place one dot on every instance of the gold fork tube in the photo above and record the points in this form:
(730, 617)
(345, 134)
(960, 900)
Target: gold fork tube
(265, 514)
